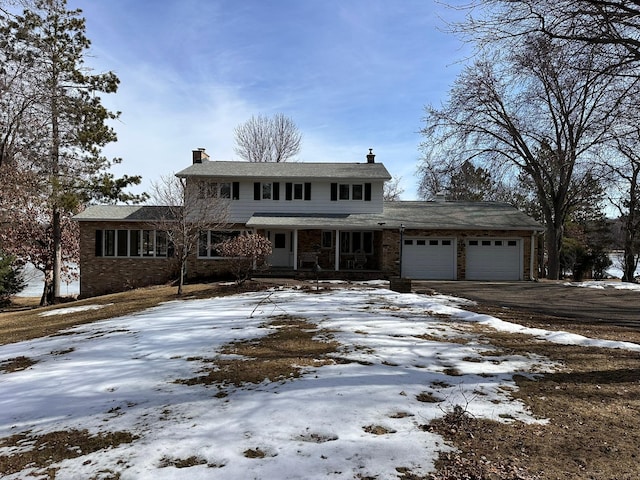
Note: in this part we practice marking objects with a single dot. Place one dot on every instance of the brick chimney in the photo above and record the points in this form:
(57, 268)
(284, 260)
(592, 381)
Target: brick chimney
(200, 155)
(371, 158)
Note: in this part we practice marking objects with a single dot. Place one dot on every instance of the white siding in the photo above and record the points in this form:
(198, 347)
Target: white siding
(241, 210)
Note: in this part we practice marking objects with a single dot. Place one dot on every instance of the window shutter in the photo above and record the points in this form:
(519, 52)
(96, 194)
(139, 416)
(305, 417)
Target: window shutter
(98, 243)
(307, 191)
(334, 192)
(256, 190)
(235, 192)
(367, 192)
(288, 191)
(276, 190)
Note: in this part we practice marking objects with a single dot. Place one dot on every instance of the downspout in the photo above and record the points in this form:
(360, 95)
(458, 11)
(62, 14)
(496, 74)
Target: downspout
(295, 249)
(532, 259)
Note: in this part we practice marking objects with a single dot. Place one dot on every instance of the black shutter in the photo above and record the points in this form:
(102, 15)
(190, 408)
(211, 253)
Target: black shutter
(367, 192)
(256, 190)
(99, 243)
(235, 192)
(307, 191)
(334, 192)
(288, 191)
(276, 190)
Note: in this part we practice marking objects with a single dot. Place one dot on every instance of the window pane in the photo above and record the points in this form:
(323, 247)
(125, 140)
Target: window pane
(148, 243)
(297, 191)
(446, 242)
(266, 191)
(212, 190)
(356, 238)
(202, 244)
(345, 244)
(356, 192)
(280, 240)
(327, 239)
(202, 189)
(367, 242)
(134, 243)
(161, 244)
(122, 243)
(225, 190)
(109, 243)
(433, 242)
(344, 192)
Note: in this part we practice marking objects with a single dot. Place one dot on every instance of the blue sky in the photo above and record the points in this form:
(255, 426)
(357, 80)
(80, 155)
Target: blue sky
(352, 74)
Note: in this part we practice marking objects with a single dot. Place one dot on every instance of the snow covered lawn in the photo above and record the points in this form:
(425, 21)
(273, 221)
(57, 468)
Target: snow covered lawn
(403, 361)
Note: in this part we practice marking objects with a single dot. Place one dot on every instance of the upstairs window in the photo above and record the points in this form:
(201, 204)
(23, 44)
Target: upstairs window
(210, 189)
(297, 191)
(347, 191)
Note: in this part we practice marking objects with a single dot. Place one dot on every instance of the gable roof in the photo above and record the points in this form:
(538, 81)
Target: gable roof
(126, 213)
(302, 170)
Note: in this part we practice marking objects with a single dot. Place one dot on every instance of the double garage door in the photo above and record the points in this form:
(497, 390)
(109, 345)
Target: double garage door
(486, 259)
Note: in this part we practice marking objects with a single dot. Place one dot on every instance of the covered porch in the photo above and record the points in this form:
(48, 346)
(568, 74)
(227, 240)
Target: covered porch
(307, 244)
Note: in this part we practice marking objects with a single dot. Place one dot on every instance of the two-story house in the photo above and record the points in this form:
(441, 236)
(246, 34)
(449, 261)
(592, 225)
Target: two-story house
(329, 217)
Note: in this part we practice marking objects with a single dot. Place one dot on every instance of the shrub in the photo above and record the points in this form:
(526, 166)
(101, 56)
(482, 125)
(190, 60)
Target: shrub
(11, 279)
(245, 252)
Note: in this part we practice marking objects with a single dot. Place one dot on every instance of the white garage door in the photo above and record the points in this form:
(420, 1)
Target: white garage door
(429, 258)
(494, 259)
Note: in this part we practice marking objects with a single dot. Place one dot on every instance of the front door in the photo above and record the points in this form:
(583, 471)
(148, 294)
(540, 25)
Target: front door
(282, 251)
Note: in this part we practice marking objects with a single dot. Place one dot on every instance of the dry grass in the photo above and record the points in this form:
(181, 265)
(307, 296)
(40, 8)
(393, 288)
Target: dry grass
(592, 403)
(294, 345)
(41, 451)
(593, 407)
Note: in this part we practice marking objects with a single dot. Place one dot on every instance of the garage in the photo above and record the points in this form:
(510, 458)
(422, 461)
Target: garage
(494, 259)
(429, 258)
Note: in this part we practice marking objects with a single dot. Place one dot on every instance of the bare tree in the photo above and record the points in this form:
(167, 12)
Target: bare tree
(614, 24)
(263, 139)
(528, 112)
(392, 190)
(185, 217)
(626, 199)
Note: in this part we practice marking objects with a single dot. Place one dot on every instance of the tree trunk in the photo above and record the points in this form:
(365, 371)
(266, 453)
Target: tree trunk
(630, 263)
(57, 255)
(554, 234)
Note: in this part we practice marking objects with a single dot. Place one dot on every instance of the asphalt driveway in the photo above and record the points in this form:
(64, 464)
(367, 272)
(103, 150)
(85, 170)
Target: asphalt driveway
(610, 306)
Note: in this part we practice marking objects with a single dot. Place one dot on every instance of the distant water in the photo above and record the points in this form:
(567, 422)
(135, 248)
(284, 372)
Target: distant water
(35, 284)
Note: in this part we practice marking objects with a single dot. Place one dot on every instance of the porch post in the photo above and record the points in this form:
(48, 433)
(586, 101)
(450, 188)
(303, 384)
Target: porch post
(295, 249)
(337, 259)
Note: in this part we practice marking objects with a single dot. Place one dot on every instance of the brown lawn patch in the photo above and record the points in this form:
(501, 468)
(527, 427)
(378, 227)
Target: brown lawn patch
(16, 364)
(41, 451)
(281, 355)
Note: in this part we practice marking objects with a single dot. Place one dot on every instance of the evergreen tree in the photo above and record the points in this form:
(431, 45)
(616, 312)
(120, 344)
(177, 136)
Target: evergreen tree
(11, 280)
(65, 123)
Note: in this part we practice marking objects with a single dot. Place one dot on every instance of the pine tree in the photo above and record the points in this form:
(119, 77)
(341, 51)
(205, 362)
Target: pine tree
(11, 280)
(66, 122)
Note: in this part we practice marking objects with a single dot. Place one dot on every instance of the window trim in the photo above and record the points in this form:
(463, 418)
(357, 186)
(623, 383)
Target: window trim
(110, 241)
